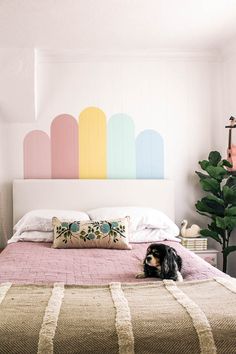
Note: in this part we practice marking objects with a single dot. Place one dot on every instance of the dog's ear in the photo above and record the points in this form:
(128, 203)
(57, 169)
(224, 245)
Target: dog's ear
(168, 265)
(178, 259)
(173, 251)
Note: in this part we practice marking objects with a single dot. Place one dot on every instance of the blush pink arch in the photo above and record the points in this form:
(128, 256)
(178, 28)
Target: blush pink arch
(64, 147)
(37, 157)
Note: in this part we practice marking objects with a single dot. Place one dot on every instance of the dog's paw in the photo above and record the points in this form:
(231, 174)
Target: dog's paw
(140, 275)
(179, 277)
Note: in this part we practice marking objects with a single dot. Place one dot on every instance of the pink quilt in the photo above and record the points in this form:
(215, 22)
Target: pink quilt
(28, 262)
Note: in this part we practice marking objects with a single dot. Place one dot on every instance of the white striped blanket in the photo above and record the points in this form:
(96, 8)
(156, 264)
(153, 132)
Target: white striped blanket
(156, 317)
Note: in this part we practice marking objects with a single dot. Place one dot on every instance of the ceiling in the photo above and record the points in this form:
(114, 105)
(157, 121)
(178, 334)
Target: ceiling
(118, 25)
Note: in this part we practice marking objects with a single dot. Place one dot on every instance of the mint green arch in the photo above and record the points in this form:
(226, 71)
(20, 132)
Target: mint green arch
(121, 147)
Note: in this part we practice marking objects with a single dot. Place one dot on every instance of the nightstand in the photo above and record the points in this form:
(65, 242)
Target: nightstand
(210, 256)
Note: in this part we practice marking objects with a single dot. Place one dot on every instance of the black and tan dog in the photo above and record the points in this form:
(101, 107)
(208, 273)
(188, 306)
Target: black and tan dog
(163, 262)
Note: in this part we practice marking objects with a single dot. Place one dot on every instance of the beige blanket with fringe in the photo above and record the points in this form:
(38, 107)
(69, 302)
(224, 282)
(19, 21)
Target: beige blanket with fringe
(156, 317)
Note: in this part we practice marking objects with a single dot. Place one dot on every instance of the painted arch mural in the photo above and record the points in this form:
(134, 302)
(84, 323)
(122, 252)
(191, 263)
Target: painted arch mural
(93, 148)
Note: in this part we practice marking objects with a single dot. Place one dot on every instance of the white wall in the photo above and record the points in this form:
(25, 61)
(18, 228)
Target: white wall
(5, 186)
(17, 84)
(172, 96)
(224, 106)
(2, 167)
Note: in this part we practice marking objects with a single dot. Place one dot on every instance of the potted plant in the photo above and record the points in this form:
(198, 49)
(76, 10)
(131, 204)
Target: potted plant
(220, 202)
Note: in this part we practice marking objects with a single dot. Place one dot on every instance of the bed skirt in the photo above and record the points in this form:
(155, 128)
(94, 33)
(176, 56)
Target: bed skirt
(155, 317)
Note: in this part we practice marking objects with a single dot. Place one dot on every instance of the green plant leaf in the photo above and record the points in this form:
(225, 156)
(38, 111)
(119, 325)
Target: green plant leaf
(220, 222)
(227, 222)
(217, 172)
(212, 234)
(215, 199)
(202, 207)
(229, 195)
(202, 213)
(214, 158)
(215, 228)
(204, 164)
(231, 222)
(228, 250)
(226, 163)
(231, 182)
(210, 185)
(213, 205)
(201, 175)
(220, 203)
(230, 211)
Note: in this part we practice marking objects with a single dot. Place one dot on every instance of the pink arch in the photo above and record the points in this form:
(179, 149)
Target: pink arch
(64, 147)
(37, 159)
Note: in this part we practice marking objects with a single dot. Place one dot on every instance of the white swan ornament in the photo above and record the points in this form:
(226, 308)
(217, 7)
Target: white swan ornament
(192, 231)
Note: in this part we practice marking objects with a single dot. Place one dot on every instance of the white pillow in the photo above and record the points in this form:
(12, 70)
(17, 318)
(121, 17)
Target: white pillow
(151, 235)
(140, 218)
(32, 236)
(42, 219)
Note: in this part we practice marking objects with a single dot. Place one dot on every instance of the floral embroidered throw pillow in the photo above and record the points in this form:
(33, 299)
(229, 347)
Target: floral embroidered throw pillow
(91, 234)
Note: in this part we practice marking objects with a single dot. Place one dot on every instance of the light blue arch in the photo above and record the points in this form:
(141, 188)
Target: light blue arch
(149, 155)
(121, 147)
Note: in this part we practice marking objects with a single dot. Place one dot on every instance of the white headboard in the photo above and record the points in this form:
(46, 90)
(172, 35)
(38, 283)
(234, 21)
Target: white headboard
(82, 194)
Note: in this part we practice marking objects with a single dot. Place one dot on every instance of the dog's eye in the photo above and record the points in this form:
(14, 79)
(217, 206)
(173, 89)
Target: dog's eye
(156, 254)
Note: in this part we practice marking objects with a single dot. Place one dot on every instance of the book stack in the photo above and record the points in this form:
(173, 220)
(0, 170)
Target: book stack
(194, 243)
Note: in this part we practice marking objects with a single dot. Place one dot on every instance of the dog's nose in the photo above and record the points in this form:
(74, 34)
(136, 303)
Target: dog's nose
(149, 258)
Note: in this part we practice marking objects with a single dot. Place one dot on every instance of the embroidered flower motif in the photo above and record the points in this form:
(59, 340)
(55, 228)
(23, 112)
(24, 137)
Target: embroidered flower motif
(74, 227)
(114, 224)
(105, 228)
(91, 236)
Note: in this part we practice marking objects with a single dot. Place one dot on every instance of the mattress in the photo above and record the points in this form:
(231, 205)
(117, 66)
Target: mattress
(38, 263)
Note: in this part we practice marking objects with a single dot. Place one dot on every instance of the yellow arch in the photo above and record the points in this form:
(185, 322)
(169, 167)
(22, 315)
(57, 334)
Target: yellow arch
(92, 144)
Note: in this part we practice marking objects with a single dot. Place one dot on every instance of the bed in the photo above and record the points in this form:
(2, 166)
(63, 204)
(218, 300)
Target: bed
(89, 300)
